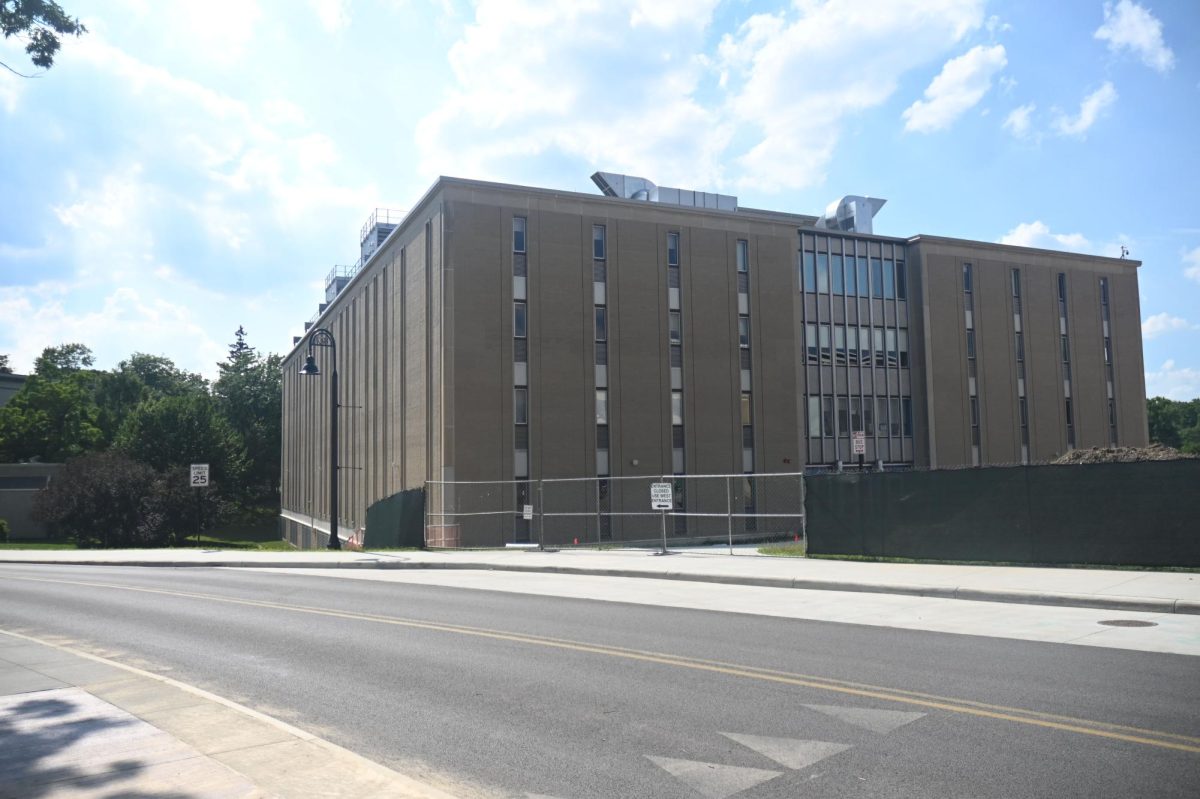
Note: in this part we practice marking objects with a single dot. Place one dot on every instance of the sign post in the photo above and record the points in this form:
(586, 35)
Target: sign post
(859, 446)
(198, 478)
(662, 499)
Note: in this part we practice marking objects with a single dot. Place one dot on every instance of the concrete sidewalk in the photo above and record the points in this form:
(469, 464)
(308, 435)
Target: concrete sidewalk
(76, 725)
(1110, 589)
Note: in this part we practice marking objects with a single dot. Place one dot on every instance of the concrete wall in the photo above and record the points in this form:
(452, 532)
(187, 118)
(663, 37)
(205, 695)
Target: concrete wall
(19, 485)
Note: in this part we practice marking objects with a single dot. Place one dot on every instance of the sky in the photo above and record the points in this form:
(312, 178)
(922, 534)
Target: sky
(187, 168)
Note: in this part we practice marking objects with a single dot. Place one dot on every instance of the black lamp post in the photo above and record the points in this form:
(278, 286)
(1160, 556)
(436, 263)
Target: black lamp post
(321, 337)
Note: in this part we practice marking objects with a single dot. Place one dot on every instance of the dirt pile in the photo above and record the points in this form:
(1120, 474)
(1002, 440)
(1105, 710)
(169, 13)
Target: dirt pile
(1154, 452)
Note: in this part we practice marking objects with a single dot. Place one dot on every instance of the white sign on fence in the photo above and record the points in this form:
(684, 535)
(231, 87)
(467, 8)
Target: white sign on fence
(661, 497)
(859, 442)
(199, 475)
(527, 512)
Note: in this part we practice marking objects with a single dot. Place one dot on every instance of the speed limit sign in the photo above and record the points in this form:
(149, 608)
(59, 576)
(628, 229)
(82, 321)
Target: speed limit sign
(199, 477)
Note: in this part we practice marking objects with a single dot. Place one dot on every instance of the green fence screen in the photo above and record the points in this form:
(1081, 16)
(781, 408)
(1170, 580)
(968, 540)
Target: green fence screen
(396, 521)
(1145, 514)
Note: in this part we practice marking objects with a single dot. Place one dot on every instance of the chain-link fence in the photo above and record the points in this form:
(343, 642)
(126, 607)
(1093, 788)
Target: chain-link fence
(598, 511)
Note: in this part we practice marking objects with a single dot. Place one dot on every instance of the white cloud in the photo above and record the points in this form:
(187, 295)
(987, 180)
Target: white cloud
(630, 86)
(1191, 264)
(1090, 110)
(1019, 122)
(1173, 382)
(1037, 234)
(334, 15)
(1129, 26)
(1161, 323)
(961, 84)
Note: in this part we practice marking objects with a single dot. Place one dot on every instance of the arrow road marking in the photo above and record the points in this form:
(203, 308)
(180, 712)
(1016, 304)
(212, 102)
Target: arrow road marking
(880, 721)
(793, 753)
(714, 780)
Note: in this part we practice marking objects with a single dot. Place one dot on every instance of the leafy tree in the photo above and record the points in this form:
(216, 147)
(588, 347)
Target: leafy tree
(101, 500)
(40, 23)
(249, 392)
(1174, 423)
(140, 377)
(63, 359)
(53, 417)
(172, 432)
(5, 369)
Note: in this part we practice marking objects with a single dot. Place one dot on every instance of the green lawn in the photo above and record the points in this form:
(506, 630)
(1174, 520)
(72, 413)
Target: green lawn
(788, 550)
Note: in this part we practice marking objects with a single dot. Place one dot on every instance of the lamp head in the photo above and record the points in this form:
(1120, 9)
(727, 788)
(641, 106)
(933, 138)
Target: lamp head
(310, 366)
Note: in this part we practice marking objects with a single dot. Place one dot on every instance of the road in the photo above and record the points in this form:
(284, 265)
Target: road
(507, 694)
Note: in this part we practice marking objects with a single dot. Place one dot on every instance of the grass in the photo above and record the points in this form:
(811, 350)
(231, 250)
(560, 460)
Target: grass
(38, 545)
(789, 550)
(1107, 566)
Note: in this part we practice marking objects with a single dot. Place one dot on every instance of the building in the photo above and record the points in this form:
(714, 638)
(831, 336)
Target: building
(501, 332)
(10, 385)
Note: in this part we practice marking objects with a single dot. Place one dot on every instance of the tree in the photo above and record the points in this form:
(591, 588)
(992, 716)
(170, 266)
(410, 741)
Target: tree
(101, 499)
(1174, 423)
(172, 432)
(249, 392)
(5, 369)
(53, 417)
(40, 23)
(63, 359)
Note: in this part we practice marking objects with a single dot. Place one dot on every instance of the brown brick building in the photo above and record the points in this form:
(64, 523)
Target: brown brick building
(503, 332)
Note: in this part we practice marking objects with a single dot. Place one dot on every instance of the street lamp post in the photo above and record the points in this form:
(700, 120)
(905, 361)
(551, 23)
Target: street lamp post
(320, 337)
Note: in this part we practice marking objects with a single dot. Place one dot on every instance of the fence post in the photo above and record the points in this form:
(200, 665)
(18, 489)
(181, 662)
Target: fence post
(425, 532)
(598, 512)
(541, 518)
(729, 510)
(804, 513)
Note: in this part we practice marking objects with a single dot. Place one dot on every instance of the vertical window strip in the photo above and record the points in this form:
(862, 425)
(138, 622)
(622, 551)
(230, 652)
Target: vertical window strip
(600, 366)
(742, 266)
(520, 332)
(1019, 343)
(675, 347)
(1106, 332)
(968, 284)
(1065, 356)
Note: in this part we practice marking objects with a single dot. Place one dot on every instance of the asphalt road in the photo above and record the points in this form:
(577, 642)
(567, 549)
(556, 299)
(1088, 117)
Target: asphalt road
(501, 694)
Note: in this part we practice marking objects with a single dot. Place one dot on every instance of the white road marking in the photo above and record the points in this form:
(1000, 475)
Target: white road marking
(714, 780)
(880, 721)
(794, 753)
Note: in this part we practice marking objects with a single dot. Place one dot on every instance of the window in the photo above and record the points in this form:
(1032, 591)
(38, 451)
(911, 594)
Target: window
(1024, 408)
(881, 416)
(1062, 293)
(894, 405)
(843, 417)
(518, 234)
(862, 277)
(601, 406)
(743, 332)
(822, 273)
(601, 324)
(810, 272)
(1020, 346)
(743, 256)
(906, 412)
(598, 242)
(889, 280)
(901, 281)
(868, 417)
(827, 416)
(1016, 283)
(1066, 350)
(970, 343)
(856, 422)
(825, 352)
(814, 417)
(1070, 415)
(1104, 292)
(852, 344)
(676, 407)
(851, 283)
(839, 283)
(878, 336)
(902, 334)
(521, 406)
(967, 278)
(810, 341)
(864, 345)
(747, 410)
(672, 249)
(877, 278)
(839, 344)
(892, 355)
(676, 325)
(519, 317)
(974, 411)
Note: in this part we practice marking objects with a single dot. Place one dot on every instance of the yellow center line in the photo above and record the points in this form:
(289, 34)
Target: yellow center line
(1165, 740)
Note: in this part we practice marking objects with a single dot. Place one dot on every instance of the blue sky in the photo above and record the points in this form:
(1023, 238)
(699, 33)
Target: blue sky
(188, 167)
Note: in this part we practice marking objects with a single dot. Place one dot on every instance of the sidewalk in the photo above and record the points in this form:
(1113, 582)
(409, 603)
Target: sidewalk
(75, 725)
(1110, 589)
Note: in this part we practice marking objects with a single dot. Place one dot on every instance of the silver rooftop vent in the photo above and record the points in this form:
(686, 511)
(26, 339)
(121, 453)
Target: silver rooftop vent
(852, 214)
(630, 187)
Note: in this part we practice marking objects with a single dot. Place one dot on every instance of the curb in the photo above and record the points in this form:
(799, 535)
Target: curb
(1130, 604)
